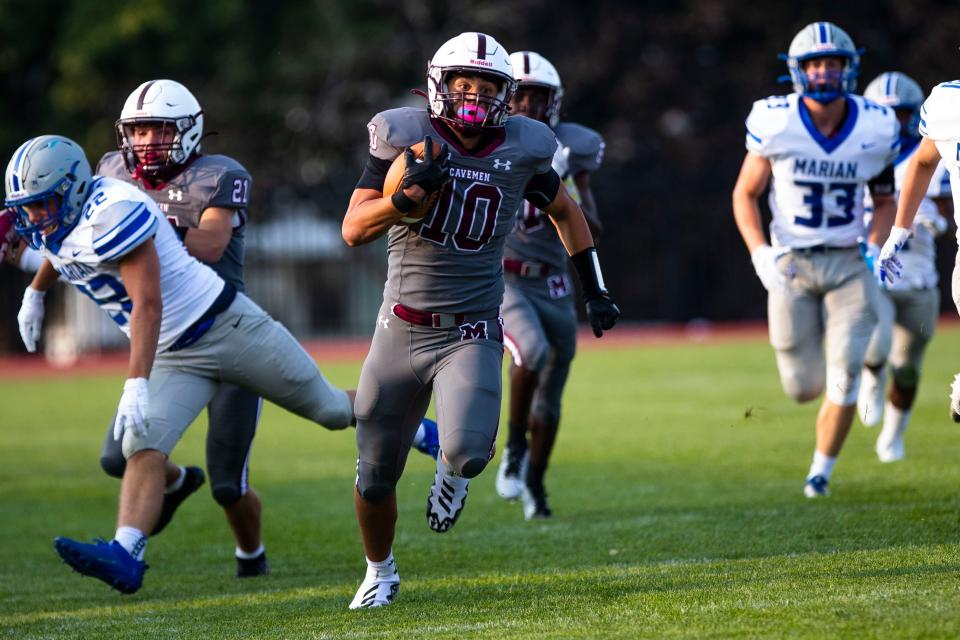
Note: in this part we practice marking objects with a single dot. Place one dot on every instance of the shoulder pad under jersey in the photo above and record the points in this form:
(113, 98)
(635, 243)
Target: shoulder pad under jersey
(940, 113)
(393, 130)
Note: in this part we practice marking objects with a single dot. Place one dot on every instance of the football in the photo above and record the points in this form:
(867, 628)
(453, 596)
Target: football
(395, 176)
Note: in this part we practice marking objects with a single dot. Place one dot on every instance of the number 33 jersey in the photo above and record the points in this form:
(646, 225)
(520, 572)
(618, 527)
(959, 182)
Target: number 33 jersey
(116, 219)
(816, 194)
(451, 261)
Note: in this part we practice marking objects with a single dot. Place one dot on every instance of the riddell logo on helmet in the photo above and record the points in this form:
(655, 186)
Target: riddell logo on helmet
(482, 63)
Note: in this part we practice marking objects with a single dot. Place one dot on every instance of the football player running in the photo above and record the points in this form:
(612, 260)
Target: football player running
(190, 331)
(540, 321)
(908, 308)
(819, 146)
(439, 330)
(940, 130)
(205, 197)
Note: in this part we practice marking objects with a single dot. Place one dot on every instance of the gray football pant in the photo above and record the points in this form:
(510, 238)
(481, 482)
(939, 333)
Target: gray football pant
(907, 321)
(541, 334)
(829, 298)
(406, 364)
(245, 347)
(232, 417)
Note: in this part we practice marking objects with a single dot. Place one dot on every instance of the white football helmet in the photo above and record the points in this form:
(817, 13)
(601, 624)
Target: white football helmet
(472, 53)
(899, 91)
(43, 167)
(819, 40)
(169, 104)
(532, 69)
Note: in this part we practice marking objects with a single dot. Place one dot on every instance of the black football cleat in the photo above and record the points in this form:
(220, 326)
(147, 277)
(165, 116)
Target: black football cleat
(194, 480)
(253, 567)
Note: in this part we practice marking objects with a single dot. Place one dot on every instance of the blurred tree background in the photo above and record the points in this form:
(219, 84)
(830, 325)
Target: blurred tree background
(290, 86)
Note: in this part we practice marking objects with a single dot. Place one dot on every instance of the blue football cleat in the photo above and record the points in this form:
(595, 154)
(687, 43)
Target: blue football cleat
(109, 562)
(429, 442)
(816, 487)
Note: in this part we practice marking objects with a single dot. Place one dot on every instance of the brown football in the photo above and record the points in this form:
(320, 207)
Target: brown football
(395, 176)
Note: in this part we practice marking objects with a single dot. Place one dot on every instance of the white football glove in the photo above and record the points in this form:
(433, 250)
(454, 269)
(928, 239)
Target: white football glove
(30, 317)
(764, 260)
(889, 266)
(132, 410)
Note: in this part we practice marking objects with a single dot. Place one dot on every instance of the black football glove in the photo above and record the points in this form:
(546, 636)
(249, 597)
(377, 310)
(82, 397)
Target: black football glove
(603, 314)
(430, 174)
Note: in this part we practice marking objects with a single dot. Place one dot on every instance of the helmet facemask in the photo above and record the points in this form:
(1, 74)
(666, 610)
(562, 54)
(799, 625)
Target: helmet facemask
(469, 113)
(165, 155)
(536, 101)
(60, 220)
(824, 85)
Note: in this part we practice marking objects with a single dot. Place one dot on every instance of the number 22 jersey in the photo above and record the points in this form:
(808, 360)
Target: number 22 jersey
(816, 194)
(116, 219)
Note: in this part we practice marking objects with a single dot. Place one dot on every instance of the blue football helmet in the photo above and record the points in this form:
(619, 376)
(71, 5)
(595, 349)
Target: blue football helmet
(821, 40)
(900, 92)
(48, 167)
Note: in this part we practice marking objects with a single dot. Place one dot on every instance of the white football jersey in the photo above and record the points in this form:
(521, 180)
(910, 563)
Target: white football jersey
(816, 194)
(919, 254)
(940, 121)
(117, 218)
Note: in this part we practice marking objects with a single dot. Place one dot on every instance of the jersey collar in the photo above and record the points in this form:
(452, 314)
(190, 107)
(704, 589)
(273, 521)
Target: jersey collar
(480, 152)
(830, 143)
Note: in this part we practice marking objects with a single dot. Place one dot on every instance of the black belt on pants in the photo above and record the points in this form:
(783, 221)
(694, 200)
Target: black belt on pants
(202, 324)
(819, 248)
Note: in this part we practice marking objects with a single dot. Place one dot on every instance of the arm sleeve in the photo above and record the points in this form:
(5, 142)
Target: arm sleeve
(121, 227)
(883, 184)
(542, 189)
(374, 173)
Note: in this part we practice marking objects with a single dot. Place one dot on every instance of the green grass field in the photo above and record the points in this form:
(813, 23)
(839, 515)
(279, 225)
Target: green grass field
(676, 485)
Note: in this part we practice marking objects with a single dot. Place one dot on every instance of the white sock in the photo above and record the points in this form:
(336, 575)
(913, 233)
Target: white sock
(895, 423)
(133, 540)
(421, 434)
(176, 484)
(386, 565)
(822, 465)
(244, 555)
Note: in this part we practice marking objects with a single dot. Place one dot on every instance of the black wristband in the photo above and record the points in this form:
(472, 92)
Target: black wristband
(588, 269)
(401, 202)
(181, 233)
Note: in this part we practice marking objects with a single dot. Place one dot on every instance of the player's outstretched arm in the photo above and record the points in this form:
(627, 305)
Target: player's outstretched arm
(575, 235)
(916, 181)
(754, 176)
(140, 273)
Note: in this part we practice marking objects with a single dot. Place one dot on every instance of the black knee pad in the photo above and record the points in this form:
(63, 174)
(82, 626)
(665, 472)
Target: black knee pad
(376, 493)
(471, 467)
(906, 377)
(113, 465)
(375, 483)
(225, 494)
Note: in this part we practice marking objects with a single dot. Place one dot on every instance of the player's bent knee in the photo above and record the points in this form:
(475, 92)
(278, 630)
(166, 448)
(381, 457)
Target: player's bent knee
(468, 467)
(802, 390)
(113, 465)
(842, 386)
(226, 495)
(906, 377)
(376, 493)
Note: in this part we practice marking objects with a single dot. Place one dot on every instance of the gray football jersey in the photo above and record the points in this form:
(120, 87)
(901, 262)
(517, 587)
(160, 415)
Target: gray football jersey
(535, 239)
(451, 261)
(209, 181)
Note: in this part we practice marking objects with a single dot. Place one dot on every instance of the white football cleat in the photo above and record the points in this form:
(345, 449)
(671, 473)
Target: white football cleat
(870, 398)
(955, 398)
(379, 587)
(535, 504)
(447, 497)
(512, 473)
(891, 451)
